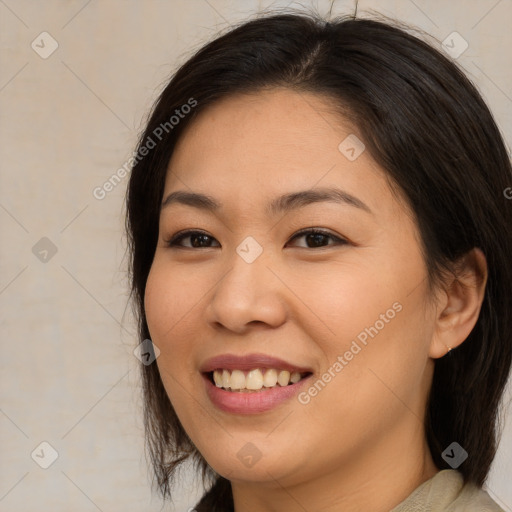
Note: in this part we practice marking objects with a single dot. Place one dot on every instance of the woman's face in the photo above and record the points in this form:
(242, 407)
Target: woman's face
(346, 311)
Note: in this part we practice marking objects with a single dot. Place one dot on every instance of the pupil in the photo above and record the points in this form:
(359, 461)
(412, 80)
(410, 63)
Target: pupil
(203, 238)
(316, 238)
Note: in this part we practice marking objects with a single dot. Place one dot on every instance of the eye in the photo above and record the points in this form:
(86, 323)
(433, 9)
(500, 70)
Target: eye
(317, 237)
(198, 239)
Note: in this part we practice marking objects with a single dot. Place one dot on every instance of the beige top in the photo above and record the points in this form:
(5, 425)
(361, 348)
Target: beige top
(446, 491)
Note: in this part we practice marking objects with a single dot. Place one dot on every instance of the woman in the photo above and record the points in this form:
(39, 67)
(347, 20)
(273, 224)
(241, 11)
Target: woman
(320, 241)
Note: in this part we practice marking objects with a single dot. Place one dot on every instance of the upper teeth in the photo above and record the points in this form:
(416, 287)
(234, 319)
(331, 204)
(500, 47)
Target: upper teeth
(255, 379)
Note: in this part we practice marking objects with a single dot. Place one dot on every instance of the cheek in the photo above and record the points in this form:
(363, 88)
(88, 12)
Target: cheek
(165, 308)
(169, 297)
(381, 332)
(365, 389)
(382, 371)
(346, 299)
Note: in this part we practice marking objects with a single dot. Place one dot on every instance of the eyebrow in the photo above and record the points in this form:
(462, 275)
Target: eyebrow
(281, 204)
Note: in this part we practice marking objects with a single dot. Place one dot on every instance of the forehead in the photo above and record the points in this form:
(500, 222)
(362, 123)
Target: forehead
(273, 142)
(278, 121)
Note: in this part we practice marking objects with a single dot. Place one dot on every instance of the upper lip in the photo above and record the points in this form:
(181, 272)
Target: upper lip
(249, 362)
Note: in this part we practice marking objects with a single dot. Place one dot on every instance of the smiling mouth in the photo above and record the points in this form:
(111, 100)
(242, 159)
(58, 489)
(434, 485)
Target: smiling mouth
(254, 381)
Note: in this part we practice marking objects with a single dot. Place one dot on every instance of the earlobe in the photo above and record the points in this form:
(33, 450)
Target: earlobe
(463, 296)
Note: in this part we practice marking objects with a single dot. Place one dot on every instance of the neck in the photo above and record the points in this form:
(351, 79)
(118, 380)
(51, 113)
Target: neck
(378, 480)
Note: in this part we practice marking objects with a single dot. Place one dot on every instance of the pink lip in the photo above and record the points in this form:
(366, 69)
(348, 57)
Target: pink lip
(250, 403)
(249, 362)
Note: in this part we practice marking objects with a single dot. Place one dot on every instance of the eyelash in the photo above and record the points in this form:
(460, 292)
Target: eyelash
(173, 241)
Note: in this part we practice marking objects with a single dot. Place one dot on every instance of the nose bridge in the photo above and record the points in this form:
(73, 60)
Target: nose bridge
(249, 263)
(249, 291)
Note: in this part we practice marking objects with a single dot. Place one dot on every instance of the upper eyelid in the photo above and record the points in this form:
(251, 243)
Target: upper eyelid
(320, 231)
(186, 233)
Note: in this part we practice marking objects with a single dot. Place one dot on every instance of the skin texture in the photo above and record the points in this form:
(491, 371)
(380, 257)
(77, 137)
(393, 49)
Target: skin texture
(359, 444)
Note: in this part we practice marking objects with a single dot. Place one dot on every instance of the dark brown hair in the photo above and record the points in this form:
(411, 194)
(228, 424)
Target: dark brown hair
(426, 125)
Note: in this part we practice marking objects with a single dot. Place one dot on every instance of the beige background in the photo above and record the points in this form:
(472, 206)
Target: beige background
(68, 375)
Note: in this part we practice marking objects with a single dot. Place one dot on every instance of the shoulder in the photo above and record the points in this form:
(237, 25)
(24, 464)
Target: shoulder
(446, 491)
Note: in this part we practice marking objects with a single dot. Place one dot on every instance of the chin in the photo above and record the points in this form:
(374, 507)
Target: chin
(258, 461)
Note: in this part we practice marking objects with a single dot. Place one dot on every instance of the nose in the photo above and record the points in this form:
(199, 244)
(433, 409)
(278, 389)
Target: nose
(248, 294)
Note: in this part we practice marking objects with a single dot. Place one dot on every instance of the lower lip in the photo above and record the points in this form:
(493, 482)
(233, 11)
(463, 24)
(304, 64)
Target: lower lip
(251, 403)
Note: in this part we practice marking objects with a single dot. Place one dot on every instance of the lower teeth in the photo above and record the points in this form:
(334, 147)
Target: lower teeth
(245, 390)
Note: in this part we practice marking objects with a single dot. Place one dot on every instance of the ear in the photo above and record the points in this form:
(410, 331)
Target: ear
(459, 304)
